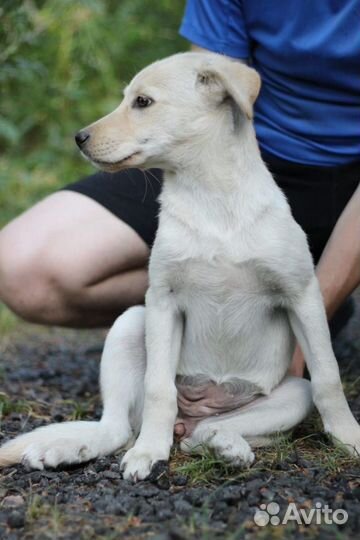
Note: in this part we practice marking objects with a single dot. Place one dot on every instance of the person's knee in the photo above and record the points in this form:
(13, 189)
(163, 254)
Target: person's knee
(29, 285)
(50, 275)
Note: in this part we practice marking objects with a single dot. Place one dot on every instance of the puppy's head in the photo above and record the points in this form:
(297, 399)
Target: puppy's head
(167, 107)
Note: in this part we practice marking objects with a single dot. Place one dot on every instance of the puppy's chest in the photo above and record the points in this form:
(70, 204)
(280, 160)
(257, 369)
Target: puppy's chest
(218, 281)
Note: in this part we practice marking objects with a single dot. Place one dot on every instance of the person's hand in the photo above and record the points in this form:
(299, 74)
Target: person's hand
(297, 365)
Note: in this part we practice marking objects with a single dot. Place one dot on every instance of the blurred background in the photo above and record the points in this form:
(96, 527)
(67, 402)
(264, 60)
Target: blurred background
(63, 64)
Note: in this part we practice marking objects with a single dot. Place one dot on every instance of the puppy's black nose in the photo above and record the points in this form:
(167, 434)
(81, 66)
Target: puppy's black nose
(81, 137)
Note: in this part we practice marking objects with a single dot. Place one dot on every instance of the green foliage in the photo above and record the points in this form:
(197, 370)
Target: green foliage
(63, 65)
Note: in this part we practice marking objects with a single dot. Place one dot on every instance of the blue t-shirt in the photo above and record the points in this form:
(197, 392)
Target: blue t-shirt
(308, 55)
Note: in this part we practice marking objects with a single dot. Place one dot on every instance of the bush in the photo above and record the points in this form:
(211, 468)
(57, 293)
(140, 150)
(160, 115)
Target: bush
(64, 64)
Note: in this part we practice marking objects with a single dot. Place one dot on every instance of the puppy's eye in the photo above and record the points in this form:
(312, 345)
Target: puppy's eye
(140, 102)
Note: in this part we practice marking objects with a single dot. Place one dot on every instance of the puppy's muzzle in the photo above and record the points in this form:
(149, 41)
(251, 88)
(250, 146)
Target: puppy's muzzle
(81, 138)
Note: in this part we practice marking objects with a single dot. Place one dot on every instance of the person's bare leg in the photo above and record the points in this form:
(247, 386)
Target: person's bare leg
(69, 261)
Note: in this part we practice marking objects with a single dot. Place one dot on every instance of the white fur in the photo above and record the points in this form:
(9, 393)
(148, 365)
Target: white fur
(231, 279)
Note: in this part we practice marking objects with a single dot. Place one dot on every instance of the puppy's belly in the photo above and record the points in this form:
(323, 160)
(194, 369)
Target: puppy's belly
(257, 348)
(200, 397)
(236, 347)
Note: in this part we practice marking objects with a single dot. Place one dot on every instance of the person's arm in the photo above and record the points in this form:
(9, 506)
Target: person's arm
(338, 270)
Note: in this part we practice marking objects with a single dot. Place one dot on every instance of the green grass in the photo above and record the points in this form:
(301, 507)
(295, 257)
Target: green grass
(35, 508)
(36, 409)
(308, 443)
(8, 321)
(8, 406)
(79, 410)
(72, 409)
(206, 468)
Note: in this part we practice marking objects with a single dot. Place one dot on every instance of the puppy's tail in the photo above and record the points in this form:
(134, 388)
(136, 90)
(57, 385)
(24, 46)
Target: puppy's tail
(12, 451)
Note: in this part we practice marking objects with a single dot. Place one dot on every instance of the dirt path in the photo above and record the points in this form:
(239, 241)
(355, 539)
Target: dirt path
(52, 376)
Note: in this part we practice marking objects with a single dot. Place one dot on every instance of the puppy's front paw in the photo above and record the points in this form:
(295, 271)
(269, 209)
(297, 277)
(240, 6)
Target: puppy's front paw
(139, 460)
(348, 438)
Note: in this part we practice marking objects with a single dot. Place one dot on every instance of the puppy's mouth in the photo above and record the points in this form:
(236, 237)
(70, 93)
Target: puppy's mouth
(112, 165)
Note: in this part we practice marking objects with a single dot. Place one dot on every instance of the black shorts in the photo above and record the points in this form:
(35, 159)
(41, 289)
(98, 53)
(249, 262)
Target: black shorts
(317, 196)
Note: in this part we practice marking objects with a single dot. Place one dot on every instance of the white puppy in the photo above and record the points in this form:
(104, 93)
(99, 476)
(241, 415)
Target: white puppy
(231, 283)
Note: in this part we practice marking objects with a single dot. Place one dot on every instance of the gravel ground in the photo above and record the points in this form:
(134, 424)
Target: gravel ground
(52, 376)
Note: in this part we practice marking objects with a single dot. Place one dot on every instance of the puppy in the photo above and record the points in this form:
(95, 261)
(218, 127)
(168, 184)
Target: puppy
(231, 284)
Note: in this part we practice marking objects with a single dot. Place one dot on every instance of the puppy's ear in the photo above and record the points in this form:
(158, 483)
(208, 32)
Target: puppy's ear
(234, 80)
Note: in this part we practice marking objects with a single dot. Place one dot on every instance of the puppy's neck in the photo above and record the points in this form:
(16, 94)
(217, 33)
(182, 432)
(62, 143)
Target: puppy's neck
(220, 161)
(223, 180)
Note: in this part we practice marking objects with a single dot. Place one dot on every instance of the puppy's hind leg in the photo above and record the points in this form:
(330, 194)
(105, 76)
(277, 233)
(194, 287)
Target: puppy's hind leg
(231, 435)
(121, 379)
